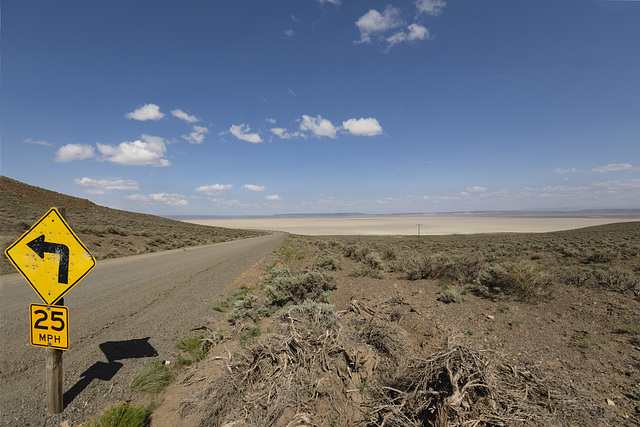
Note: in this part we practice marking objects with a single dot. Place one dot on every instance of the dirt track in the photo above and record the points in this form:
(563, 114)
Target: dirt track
(125, 313)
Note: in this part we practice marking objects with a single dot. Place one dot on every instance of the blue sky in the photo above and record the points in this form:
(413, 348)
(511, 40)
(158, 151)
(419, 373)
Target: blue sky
(307, 106)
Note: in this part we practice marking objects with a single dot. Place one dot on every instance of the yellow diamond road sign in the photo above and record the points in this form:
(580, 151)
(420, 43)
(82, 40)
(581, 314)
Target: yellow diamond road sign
(51, 257)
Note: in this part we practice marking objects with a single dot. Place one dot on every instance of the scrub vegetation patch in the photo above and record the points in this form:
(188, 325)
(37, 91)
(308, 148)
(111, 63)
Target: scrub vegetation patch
(500, 329)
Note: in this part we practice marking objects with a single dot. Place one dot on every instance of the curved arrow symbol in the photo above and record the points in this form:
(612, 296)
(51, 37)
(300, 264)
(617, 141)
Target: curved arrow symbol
(39, 246)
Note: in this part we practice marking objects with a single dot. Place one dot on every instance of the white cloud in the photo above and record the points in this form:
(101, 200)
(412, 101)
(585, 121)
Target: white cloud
(566, 171)
(284, 134)
(288, 33)
(214, 189)
(184, 116)
(37, 142)
(363, 127)
(251, 187)
(104, 185)
(172, 199)
(146, 152)
(318, 126)
(416, 32)
(197, 135)
(476, 189)
(375, 22)
(616, 167)
(270, 120)
(430, 7)
(70, 152)
(146, 112)
(336, 2)
(273, 197)
(242, 132)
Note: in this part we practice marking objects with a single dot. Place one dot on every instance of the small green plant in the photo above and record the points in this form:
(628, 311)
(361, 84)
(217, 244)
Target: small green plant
(449, 296)
(182, 362)
(221, 304)
(636, 392)
(240, 295)
(196, 347)
(468, 332)
(153, 378)
(511, 319)
(125, 415)
(250, 335)
(589, 343)
(365, 382)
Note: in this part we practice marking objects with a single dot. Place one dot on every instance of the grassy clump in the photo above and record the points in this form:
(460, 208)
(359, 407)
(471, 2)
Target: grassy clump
(153, 379)
(123, 415)
(196, 347)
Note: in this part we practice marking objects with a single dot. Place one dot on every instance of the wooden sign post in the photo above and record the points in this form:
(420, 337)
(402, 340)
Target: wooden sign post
(54, 373)
(53, 367)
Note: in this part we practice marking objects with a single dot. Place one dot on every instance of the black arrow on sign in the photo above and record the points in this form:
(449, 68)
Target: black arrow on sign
(39, 246)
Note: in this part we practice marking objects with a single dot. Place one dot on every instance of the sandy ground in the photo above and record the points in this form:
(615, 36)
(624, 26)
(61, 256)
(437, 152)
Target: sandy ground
(411, 225)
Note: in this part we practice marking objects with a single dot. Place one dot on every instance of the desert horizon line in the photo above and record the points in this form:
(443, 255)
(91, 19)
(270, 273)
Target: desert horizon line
(522, 212)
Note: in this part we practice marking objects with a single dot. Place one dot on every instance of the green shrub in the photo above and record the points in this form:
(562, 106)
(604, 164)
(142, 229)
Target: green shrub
(281, 272)
(329, 262)
(370, 266)
(459, 268)
(320, 314)
(313, 285)
(123, 415)
(450, 295)
(601, 256)
(522, 281)
(618, 279)
(245, 308)
(357, 252)
(575, 276)
(365, 270)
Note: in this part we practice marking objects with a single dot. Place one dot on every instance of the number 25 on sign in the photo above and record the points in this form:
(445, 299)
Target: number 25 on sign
(49, 326)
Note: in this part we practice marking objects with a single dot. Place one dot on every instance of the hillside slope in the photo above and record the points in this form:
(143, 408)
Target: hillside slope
(107, 232)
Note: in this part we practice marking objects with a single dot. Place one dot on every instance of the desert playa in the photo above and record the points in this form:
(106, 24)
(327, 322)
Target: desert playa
(409, 224)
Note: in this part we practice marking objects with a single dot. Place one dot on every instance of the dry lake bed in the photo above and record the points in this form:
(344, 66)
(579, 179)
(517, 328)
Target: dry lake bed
(414, 224)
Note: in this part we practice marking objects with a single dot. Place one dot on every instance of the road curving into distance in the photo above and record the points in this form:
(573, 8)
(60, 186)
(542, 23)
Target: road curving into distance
(126, 312)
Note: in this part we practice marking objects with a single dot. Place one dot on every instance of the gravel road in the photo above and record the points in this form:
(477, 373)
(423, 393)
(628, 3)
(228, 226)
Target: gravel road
(126, 312)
